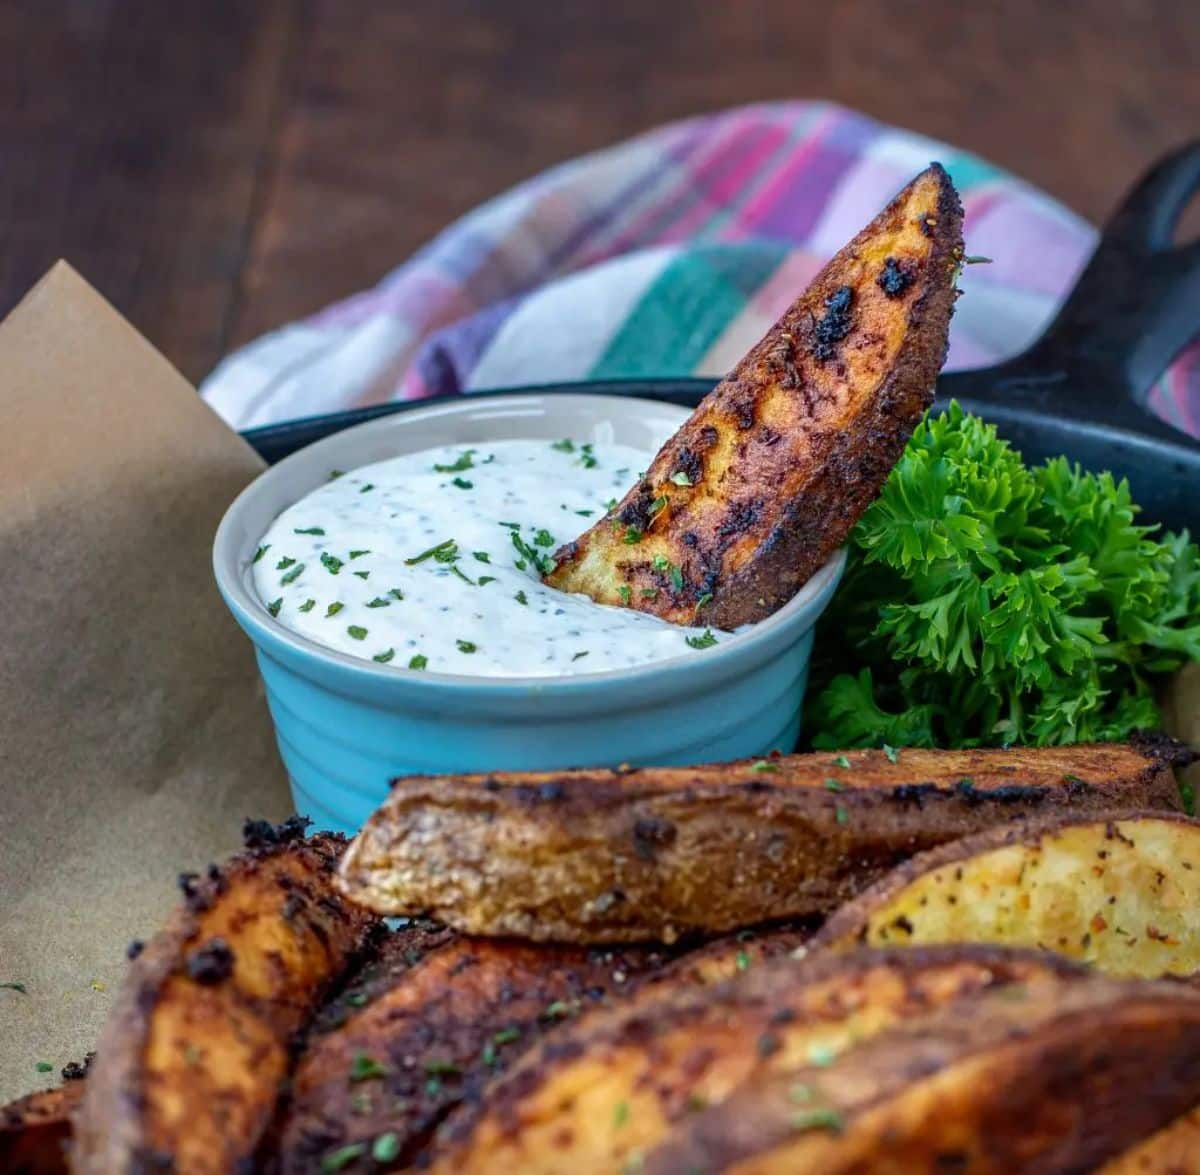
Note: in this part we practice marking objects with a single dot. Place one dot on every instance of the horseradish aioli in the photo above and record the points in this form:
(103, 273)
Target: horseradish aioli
(432, 561)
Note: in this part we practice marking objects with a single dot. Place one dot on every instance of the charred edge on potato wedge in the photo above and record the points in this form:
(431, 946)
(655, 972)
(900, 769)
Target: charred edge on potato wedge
(35, 1130)
(1032, 1078)
(632, 855)
(771, 472)
(455, 1019)
(397, 953)
(601, 1093)
(192, 1057)
(1118, 892)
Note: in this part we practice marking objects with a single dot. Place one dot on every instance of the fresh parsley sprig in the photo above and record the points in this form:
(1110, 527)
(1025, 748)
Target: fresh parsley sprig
(987, 602)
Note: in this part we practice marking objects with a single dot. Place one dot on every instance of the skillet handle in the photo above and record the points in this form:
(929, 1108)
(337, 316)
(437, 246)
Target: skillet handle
(1134, 307)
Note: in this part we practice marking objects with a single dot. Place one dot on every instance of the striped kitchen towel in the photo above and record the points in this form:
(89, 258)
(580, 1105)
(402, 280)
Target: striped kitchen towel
(667, 255)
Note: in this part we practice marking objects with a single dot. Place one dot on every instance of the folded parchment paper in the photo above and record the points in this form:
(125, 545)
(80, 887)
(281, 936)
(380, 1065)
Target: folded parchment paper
(133, 734)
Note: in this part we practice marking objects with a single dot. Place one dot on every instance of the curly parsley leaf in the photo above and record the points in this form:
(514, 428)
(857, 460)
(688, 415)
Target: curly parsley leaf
(987, 602)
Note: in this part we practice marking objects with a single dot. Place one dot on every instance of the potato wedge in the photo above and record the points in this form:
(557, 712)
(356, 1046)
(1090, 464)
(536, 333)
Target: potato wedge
(35, 1130)
(626, 856)
(771, 472)
(453, 1020)
(1173, 1150)
(1028, 1079)
(1121, 894)
(191, 1059)
(602, 1093)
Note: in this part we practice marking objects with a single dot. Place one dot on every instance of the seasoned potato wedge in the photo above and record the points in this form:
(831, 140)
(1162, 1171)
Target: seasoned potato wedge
(625, 856)
(396, 1067)
(189, 1064)
(1031, 1079)
(1174, 1150)
(1121, 894)
(771, 472)
(605, 1091)
(451, 1021)
(34, 1130)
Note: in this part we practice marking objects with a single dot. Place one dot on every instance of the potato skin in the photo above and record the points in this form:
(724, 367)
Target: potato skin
(785, 454)
(1117, 891)
(615, 1085)
(1036, 1080)
(35, 1130)
(191, 1059)
(429, 1035)
(453, 1020)
(636, 855)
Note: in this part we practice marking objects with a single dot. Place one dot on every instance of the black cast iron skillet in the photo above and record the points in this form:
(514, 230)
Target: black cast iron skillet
(1077, 391)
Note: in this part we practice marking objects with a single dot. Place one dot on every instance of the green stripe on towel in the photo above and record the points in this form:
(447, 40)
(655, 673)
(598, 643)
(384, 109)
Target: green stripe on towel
(685, 309)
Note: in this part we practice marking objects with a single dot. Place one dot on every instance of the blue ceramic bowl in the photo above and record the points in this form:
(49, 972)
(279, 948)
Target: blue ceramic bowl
(347, 727)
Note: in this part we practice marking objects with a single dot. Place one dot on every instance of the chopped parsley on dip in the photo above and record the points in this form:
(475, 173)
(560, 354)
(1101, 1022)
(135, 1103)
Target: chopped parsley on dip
(432, 561)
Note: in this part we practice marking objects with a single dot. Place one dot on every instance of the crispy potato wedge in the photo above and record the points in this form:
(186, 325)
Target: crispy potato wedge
(190, 1061)
(451, 1021)
(1121, 894)
(1174, 1150)
(1028, 1079)
(633, 855)
(602, 1093)
(35, 1130)
(771, 472)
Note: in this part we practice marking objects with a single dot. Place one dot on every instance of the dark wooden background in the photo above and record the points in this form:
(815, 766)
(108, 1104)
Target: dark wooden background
(217, 168)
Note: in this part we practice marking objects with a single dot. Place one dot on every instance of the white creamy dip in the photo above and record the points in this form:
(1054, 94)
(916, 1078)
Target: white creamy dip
(432, 561)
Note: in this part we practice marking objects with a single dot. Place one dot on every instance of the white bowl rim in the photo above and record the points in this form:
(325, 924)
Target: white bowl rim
(250, 609)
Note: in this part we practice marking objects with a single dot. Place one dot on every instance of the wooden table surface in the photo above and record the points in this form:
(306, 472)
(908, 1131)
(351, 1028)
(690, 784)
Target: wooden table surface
(218, 168)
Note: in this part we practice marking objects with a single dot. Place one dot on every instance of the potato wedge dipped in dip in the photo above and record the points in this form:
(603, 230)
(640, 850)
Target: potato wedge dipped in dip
(453, 560)
(778, 463)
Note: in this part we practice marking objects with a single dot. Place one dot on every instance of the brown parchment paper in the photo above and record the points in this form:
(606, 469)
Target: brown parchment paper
(133, 736)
